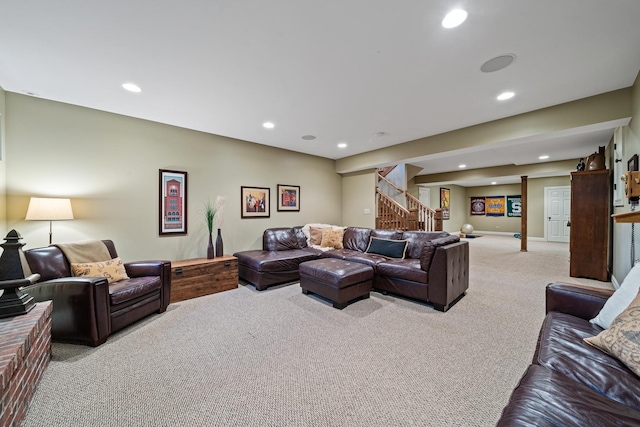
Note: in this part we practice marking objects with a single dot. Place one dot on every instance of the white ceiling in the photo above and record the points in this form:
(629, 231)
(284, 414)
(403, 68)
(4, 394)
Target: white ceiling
(340, 70)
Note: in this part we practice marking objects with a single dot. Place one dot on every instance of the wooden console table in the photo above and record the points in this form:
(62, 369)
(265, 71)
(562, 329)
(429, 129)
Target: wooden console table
(192, 278)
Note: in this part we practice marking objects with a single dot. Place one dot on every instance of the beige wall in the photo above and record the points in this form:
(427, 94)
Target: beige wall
(622, 232)
(108, 164)
(358, 194)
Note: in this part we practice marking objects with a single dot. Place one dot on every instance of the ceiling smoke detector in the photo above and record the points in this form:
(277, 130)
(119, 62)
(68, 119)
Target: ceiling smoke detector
(308, 137)
(498, 63)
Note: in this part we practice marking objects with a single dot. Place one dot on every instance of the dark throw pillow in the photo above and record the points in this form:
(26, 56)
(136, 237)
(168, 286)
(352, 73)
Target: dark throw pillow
(387, 247)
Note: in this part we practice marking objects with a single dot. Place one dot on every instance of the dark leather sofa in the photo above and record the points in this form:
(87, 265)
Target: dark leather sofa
(438, 274)
(569, 382)
(88, 309)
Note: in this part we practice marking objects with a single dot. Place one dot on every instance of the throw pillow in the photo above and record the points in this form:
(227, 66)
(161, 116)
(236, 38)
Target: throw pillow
(112, 269)
(622, 339)
(387, 247)
(315, 234)
(332, 238)
(620, 299)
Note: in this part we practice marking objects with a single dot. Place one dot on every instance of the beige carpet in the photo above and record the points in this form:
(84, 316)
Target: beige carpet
(281, 358)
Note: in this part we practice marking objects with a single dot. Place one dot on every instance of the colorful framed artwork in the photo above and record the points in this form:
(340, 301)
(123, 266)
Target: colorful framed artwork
(173, 202)
(477, 206)
(255, 202)
(495, 205)
(445, 202)
(288, 198)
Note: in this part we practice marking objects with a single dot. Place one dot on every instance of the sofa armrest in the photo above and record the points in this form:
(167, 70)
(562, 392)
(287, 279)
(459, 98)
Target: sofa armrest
(80, 307)
(161, 268)
(581, 301)
(448, 274)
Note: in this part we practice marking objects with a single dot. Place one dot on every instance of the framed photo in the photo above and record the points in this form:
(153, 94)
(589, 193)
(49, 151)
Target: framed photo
(173, 202)
(255, 202)
(445, 202)
(632, 164)
(288, 198)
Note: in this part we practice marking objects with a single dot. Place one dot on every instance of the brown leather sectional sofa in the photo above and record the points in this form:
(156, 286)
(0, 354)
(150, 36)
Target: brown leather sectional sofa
(569, 382)
(88, 309)
(434, 270)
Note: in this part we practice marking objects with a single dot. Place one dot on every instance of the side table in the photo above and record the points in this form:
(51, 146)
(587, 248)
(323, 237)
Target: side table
(192, 278)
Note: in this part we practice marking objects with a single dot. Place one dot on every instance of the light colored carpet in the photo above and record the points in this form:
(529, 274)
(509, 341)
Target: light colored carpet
(281, 358)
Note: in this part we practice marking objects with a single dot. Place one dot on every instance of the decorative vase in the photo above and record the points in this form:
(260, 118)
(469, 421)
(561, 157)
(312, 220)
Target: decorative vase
(210, 248)
(219, 250)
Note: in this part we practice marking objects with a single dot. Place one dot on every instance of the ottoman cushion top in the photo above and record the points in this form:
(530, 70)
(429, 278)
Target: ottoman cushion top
(336, 272)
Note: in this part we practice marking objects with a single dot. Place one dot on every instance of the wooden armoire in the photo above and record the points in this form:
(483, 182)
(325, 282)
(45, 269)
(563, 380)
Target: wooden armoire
(589, 238)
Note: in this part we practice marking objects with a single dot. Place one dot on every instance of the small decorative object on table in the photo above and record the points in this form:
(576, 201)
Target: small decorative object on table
(580, 166)
(14, 274)
(212, 212)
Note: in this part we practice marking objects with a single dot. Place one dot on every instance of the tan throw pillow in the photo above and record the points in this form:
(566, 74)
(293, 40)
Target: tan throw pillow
(332, 238)
(315, 235)
(112, 269)
(622, 339)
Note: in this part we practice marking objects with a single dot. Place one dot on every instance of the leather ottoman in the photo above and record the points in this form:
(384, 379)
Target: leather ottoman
(342, 282)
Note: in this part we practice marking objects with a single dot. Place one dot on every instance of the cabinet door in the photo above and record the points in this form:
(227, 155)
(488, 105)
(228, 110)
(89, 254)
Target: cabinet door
(589, 224)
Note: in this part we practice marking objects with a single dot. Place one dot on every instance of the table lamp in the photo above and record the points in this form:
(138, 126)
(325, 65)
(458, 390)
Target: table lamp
(49, 209)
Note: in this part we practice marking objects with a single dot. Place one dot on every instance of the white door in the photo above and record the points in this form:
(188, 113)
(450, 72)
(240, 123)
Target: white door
(557, 201)
(425, 195)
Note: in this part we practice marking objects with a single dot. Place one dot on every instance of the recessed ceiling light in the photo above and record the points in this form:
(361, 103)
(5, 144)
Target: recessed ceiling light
(493, 183)
(498, 63)
(543, 157)
(308, 137)
(454, 18)
(268, 125)
(504, 96)
(342, 145)
(462, 166)
(132, 87)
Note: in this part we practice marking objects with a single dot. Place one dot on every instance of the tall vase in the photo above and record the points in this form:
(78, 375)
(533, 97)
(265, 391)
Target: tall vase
(219, 250)
(210, 248)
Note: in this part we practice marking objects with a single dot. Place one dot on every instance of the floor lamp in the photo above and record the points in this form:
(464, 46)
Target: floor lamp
(49, 209)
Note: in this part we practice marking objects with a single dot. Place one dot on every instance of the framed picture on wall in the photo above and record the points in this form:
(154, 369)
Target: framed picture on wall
(255, 202)
(445, 202)
(632, 164)
(173, 202)
(288, 198)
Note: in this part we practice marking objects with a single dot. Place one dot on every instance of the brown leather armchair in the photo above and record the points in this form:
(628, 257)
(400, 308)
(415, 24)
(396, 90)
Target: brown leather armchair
(88, 309)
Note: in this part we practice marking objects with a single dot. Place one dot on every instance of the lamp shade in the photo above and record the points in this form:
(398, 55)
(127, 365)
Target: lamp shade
(49, 209)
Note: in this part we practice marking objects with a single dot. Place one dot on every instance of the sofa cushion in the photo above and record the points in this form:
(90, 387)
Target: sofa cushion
(126, 290)
(387, 247)
(279, 239)
(620, 299)
(356, 238)
(49, 262)
(406, 269)
(417, 240)
(112, 269)
(332, 238)
(302, 239)
(276, 261)
(341, 253)
(561, 348)
(547, 398)
(430, 247)
(622, 339)
(387, 234)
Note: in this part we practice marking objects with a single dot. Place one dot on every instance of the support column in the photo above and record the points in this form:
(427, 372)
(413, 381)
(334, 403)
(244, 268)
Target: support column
(523, 218)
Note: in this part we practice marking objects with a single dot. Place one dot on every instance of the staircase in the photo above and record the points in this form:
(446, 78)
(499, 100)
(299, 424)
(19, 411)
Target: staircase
(391, 215)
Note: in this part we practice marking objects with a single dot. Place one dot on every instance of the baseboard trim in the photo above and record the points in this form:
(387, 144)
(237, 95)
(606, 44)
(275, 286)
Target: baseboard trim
(507, 233)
